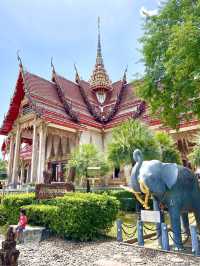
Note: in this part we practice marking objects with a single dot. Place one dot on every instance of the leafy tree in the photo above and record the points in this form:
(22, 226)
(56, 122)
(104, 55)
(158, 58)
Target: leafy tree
(194, 156)
(171, 52)
(129, 136)
(86, 155)
(169, 153)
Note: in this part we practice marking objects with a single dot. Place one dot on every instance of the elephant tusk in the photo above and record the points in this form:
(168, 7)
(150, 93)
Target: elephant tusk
(138, 196)
(146, 191)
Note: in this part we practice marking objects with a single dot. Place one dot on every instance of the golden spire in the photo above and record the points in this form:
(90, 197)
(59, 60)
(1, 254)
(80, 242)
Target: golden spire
(99, 77)
(99, 59)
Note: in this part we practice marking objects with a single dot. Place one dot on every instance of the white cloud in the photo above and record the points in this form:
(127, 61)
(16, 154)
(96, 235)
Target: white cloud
(159, 3)
(148, 13)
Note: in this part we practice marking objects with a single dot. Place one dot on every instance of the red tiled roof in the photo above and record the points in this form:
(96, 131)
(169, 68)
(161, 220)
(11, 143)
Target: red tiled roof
(45, 99)
(13, 111)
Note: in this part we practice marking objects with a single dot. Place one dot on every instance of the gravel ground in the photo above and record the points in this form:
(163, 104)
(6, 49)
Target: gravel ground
(56, 252)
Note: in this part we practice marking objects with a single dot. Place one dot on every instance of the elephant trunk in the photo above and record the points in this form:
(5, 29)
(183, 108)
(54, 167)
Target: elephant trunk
(137, 156)
(137, 186)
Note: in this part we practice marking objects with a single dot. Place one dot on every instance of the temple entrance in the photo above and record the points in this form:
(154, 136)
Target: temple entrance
(57, 170)
(116, 172)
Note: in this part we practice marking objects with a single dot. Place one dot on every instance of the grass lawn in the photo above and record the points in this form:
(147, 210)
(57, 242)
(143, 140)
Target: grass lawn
(127, 218)
(131, 218)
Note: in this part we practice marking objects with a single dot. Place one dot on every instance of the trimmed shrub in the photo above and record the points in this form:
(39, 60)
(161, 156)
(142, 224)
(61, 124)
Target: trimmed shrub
(77, 216)
(44, 215)
(13, 202)
(3, 215)
(127, 199)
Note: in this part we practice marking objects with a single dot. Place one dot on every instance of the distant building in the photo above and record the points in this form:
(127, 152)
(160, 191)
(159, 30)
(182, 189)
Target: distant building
(46, 120)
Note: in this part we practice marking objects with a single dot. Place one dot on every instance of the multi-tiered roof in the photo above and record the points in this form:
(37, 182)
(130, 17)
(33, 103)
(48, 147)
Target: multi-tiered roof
(98, 103)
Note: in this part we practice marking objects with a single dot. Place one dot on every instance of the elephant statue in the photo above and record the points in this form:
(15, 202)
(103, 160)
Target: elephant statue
(171, 185)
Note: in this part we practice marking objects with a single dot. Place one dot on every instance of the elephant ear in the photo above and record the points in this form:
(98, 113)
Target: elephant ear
(169, 174)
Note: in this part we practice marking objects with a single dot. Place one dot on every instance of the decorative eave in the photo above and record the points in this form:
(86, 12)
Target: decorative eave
(67, 106)
(14, 106)
(103, 119)
(38, 110)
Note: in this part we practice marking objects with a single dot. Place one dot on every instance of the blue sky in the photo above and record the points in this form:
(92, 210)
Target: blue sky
(67, 30)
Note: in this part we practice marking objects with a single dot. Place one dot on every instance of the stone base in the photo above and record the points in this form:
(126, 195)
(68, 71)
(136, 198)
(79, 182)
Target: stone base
(31, 233)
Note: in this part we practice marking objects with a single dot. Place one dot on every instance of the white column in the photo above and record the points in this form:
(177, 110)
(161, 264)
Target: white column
(10, 161)
(16, 155)
(42, 153)
(34, 155)
(22, 173)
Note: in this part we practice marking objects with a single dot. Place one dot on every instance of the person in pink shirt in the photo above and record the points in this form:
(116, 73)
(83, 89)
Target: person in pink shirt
(21, 224)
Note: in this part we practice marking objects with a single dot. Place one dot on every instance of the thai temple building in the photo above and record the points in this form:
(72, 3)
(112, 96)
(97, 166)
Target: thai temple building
(47, 119)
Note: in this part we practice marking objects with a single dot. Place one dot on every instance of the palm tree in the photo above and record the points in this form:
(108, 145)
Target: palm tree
(127, 137)
(87, 156)
(169, 152)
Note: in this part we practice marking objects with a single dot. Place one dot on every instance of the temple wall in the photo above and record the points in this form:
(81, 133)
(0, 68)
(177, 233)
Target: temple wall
(96, 139)
(92, 137)
(85, 137)
(107, 139)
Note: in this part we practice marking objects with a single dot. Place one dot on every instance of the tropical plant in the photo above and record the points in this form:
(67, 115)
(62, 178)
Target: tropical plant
(127, 137)
(169, 152)
(171, 45)
(86, 156)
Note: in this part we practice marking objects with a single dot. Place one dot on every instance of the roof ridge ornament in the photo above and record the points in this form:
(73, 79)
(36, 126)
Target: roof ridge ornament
(77, 77)
(125, 74)
(52, 65)
(33, 105)
(19, 59)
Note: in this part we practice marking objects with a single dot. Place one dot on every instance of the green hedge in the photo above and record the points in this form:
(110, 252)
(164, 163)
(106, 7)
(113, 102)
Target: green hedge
(3, 215)
(44, 215)
(13, 202)
(81, 216)
(127, 199)
(77, 216)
